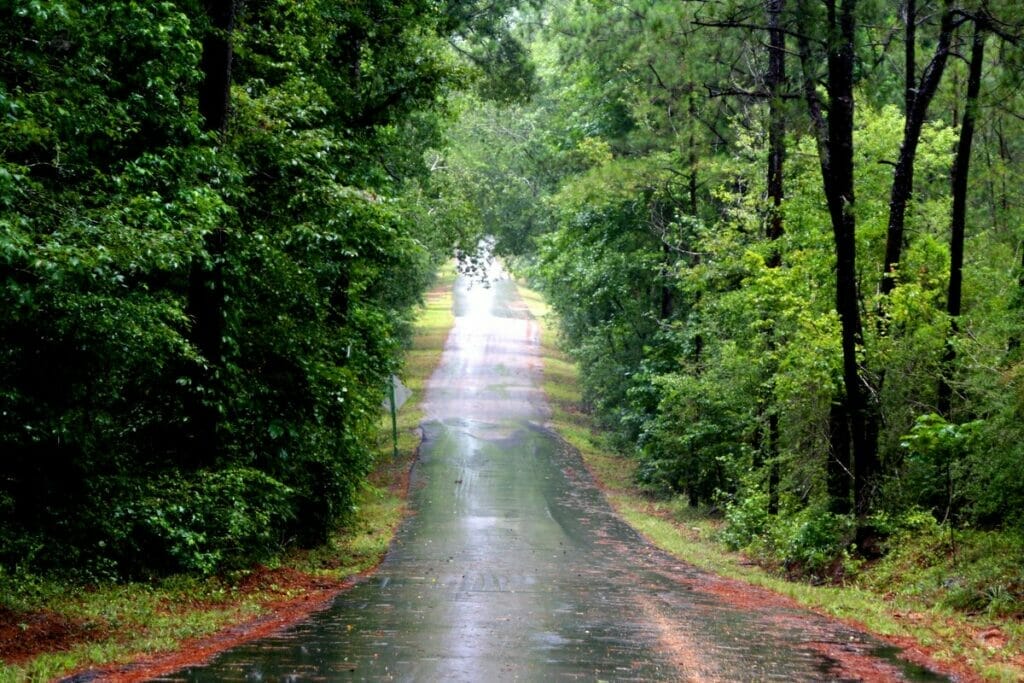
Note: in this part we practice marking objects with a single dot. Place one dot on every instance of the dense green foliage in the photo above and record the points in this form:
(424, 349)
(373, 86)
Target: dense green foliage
(216, 218)
(705, 319)
(199, 318)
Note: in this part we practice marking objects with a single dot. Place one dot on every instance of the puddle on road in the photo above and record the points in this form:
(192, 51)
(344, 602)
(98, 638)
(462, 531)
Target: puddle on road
(513, 567)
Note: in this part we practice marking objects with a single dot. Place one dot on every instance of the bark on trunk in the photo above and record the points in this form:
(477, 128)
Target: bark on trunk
(776, 79)
(839, 191)
(839, 472)
(854, 416)
(693, 155)
(776, 120)
(206, 279)
(910, 54)
(918, 99)
(215, 91)
(958, 222)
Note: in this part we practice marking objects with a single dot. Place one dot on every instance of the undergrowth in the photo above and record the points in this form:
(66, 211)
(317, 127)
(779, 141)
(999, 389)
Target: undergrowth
(956, 592)
(123, 621)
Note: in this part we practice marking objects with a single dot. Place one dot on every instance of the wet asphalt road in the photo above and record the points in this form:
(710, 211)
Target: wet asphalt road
(513, 567)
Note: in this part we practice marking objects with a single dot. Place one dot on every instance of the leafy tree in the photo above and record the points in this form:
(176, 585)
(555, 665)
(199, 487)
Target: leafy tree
(711, 226)
(215, 221)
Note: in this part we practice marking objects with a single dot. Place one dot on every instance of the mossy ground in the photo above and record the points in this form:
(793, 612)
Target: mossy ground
(118, 623)
(888, 598)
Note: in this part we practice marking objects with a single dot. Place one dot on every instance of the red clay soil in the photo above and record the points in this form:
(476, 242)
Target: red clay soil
(315, 594)
(23, 635)
(851, 664)
(744, 595)
(311, 594)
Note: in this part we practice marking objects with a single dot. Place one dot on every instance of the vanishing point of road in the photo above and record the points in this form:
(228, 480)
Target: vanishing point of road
(513, 567)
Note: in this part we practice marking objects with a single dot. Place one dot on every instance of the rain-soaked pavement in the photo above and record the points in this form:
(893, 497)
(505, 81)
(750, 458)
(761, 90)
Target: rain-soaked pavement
(513, 567)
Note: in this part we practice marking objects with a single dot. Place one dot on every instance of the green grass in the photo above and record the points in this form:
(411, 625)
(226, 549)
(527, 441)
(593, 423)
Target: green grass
(137, 618)
(145, 618)
(883, 601)
(432, 327)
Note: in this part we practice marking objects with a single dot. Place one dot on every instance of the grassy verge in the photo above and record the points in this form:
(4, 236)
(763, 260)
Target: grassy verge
(74, 629)
(993, 650)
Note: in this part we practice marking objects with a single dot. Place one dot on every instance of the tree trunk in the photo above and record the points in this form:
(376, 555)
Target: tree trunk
(839, 190)
(854, 416)
(776, 79)
(693, 155)
(910, 54)
(839, 472)
(215, 91)
(661, 231)
(776, 121)
(1014, 343)
(665, 303)
(918, 99)
(206, 279)
(698, 340)
(958, 222)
